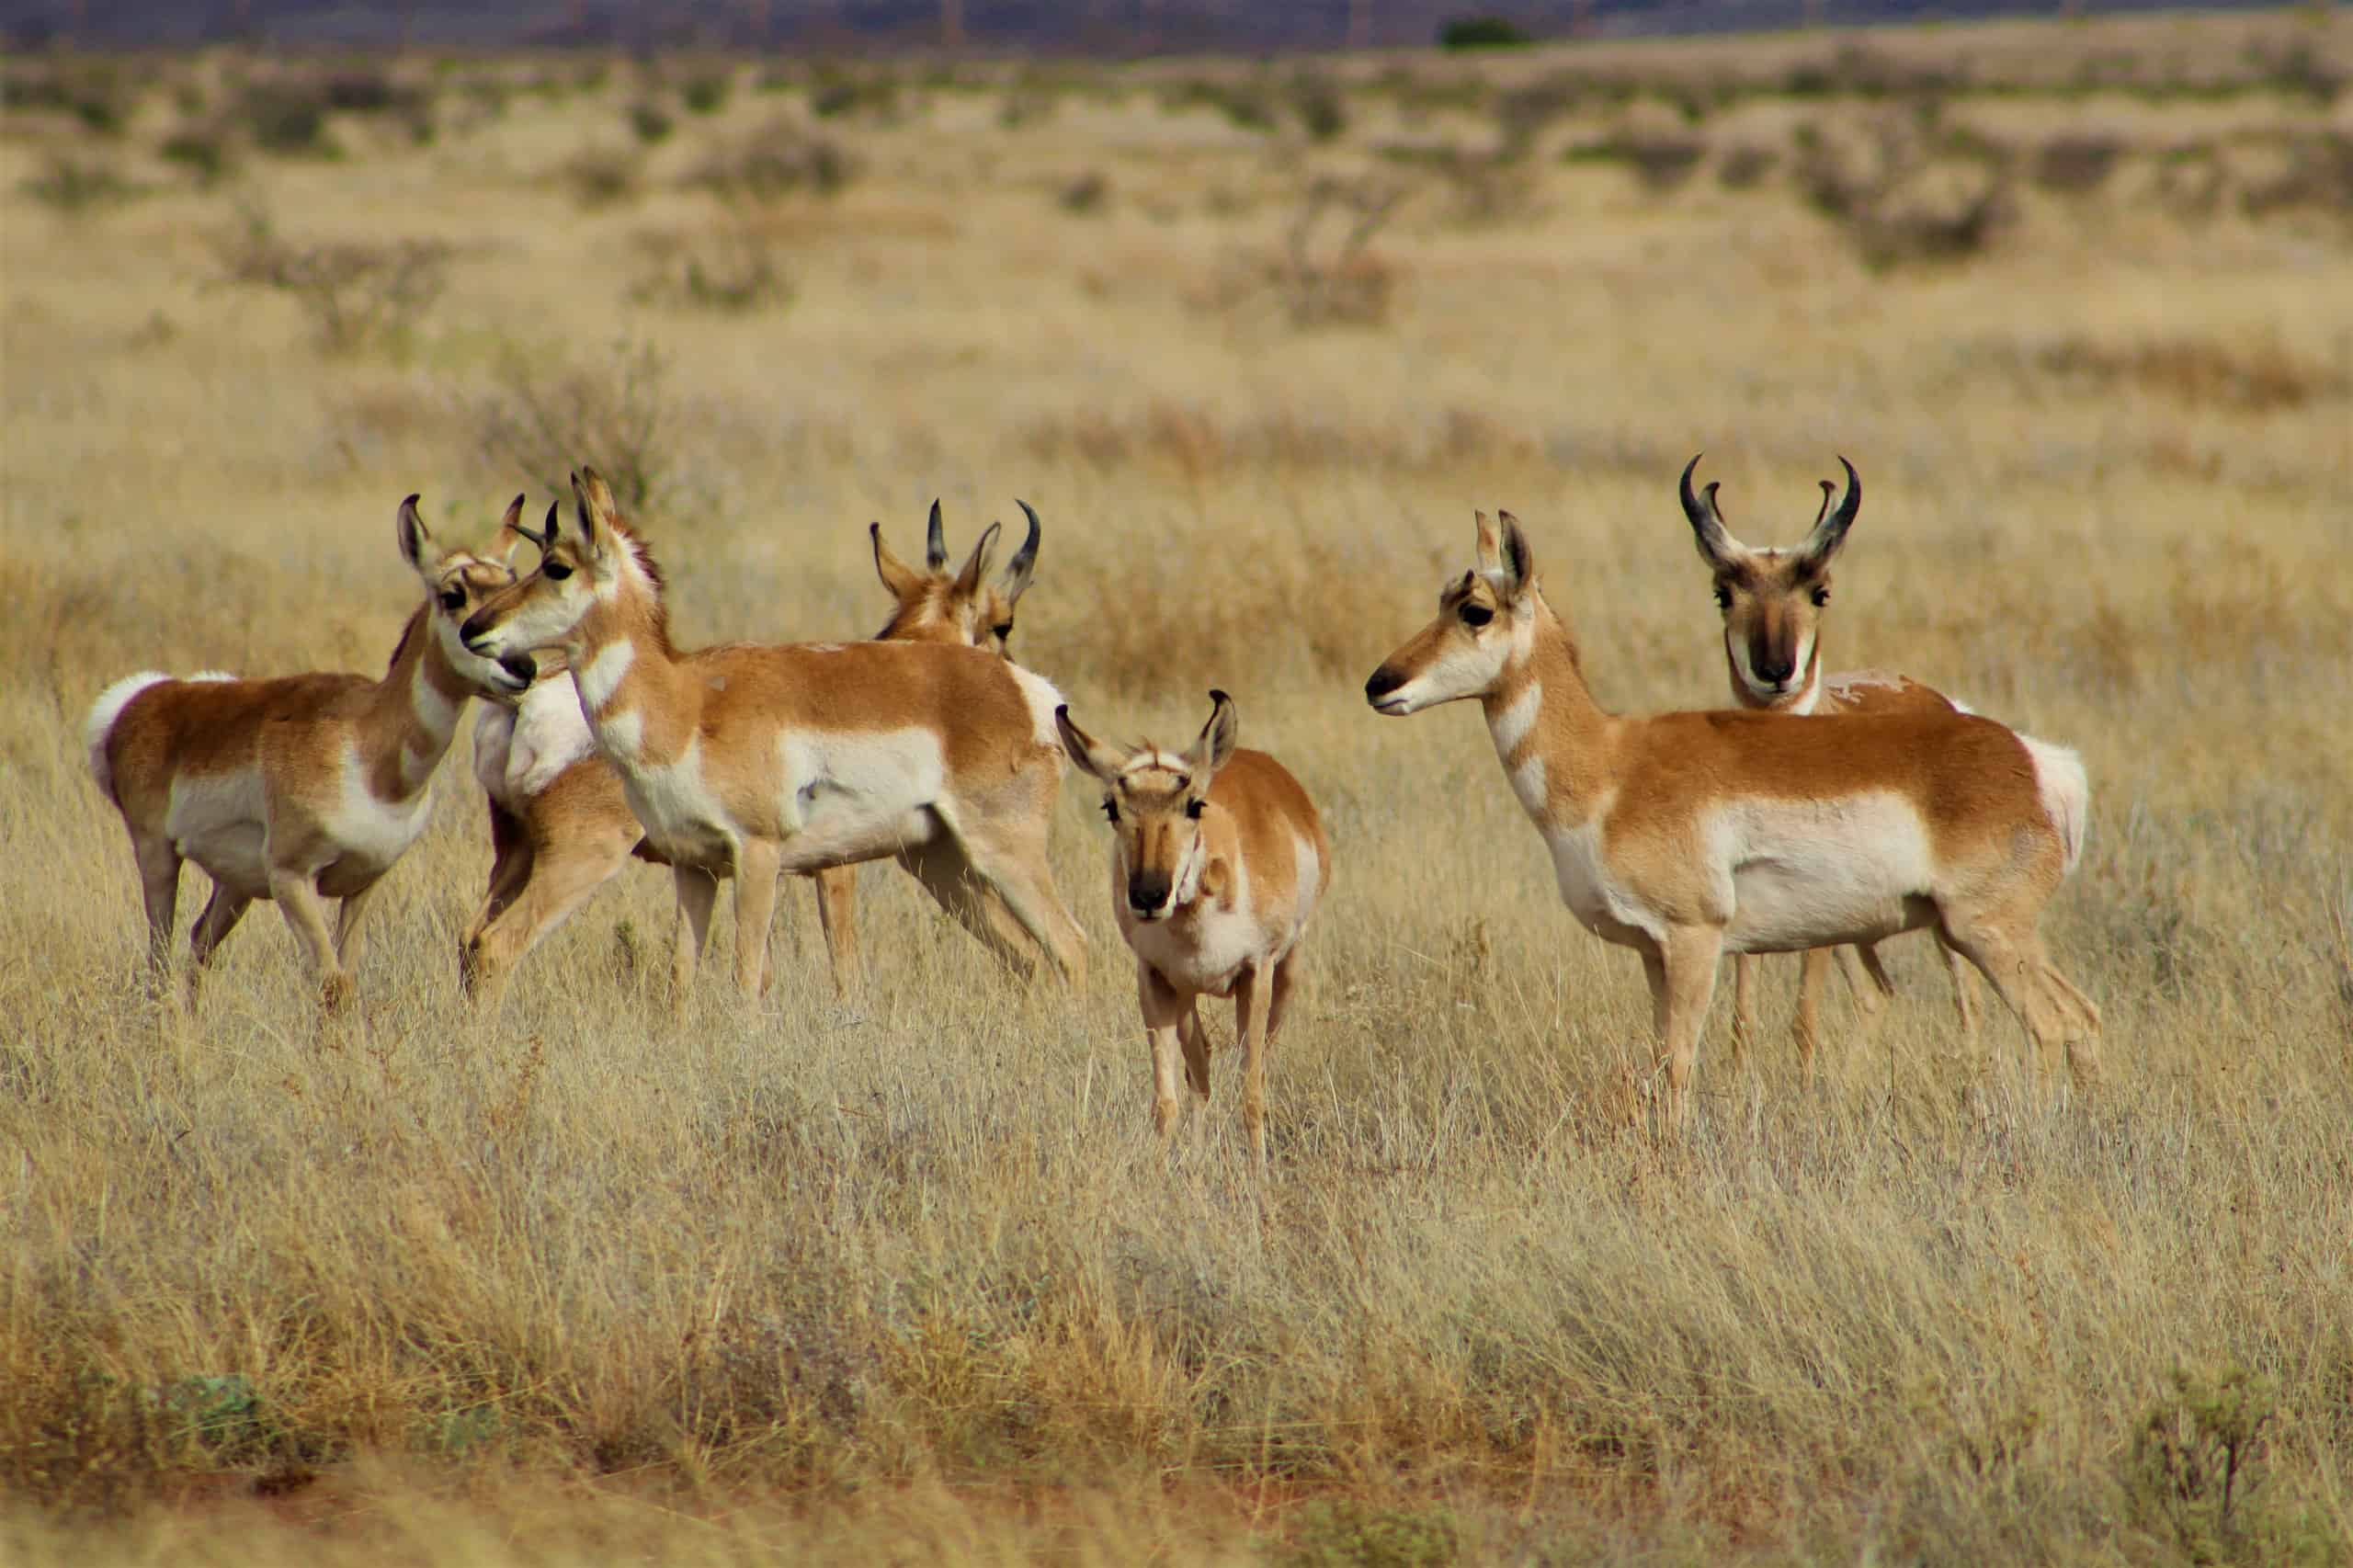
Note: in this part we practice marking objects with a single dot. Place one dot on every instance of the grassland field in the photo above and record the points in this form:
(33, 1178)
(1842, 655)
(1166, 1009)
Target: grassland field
(910, 1281)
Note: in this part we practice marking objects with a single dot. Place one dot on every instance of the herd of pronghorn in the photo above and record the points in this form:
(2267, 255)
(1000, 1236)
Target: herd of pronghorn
(1683, 836)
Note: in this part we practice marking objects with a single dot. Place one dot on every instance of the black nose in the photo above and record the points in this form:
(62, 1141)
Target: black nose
(1384, 681)
(1773, 672)
(522, 666)
(1148, 892)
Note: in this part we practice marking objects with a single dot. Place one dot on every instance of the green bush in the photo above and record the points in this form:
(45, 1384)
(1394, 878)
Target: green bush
(286, 118)
(1347, 1534)
(650, 121)
(1480, 32)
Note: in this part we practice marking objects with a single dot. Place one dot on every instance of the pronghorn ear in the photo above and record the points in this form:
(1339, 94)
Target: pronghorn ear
(1086, 754)
(414, 535)
(1519, 564)
(1490, 543)
(1830, 530)
(1717, 547)
(1014, 581)
(1215, 744)
(935, 541)
(593, 503)
(510, 534)
(903, 579)
(976, 565)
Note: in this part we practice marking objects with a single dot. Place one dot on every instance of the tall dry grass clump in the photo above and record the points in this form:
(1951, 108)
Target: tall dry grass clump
(910, 1279)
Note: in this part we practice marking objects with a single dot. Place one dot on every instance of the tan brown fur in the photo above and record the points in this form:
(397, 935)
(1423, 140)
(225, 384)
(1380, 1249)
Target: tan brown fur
(1653, 821)
(553, 850)
(1773, 602)
(699, 741)
(260, 766)
(1206, 885)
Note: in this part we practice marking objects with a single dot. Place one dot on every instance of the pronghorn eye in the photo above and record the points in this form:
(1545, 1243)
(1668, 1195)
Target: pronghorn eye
(1724, 597)
(1111, 811)
(1193, 810)
(1475, 615)
(1003, 633)
(1821, 597)
(453, 599)
(557, 571)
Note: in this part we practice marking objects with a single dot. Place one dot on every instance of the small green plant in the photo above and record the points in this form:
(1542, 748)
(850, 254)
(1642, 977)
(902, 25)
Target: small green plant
(1481, 32)
(74, 185)
(1347, 1534)
(705, 94)
(1085, 195)
(1322, 110)
(650, 121)
(287, 117)
(2197, 1477)
(203, 151)
(601, 176)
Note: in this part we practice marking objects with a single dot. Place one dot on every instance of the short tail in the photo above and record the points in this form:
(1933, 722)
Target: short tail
(2066, 793)
(99, 726)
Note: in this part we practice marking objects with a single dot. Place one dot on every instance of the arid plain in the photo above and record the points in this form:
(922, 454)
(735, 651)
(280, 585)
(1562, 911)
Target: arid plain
(910, 1279)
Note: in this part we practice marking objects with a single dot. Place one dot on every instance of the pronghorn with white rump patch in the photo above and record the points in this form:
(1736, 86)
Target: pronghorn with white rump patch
(1686, 835)
(298, 788)
(1217, 864)
(1772, 601)
(560, 820)
(749, 760)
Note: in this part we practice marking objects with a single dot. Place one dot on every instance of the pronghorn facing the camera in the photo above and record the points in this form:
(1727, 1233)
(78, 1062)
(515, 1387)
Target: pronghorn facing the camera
(1216, 869)
(1684, 834)
(560, 821)
(301, 788)
(748, 760)
(1772, 601)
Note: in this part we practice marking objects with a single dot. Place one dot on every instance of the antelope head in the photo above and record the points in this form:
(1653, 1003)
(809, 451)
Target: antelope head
(1772, 599)
(458, 581)
(1155, 802)
(1485, 617)
(976, 605)
(597, 562)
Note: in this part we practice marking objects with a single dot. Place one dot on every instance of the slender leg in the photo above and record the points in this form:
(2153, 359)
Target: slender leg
(1690, 958)
(1164, 1011)
(698, 889)
(1253, 995)
(2056, 1015)
(948, 876)
(159, 889)
(560, 875)
(1289, 974)
(306, 913)
(757, 869)
(1866, 955)
(1964, 987)
(1019, 874)
(1195, 1038)
(349, 940)
(221, 915)
(511, 857)
(837, 919)
(1743, 1006)
(1814, 972)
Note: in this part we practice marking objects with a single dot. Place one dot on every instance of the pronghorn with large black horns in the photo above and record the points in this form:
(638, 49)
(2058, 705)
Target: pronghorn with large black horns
(1218, 861)
(298, 789)
(748, 760)
(1772, 602)
(560, 821)
(1684, 835)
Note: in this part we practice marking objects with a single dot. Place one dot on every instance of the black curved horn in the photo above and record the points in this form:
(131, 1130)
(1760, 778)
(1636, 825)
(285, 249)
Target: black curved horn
(1026, 556)
(545, 536)
(935, 545)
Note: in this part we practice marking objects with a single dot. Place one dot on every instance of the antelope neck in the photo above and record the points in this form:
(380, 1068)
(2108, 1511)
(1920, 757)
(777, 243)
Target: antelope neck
(1549, 735)
(412, 713)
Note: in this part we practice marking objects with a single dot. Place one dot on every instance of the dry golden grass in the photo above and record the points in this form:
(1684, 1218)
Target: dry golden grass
(911, 1281)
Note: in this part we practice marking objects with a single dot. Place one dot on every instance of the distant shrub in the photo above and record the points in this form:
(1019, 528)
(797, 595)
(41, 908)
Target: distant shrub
(1349, 1534)
(202, 149)
(1246, 106)
(76, 185)
(2319, 176)
(733, 270)
(357, 293)
(2076, 164)
(775, 162)
(286, 116)
(2199, 1476)
(616, 414)
(1523, 113)
(1085, 194)
(601, 176)
(1322, 110)
(705, 94)
(650, 121)
(1480, 32)
(837, 95)
(1745, 167)
(1660, 163)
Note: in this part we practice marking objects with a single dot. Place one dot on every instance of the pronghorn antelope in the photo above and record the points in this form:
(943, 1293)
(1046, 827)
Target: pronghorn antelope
(1216, 869)
(560, 820)
(299, 788)
(749, 760)
(1772, 601)
(1684, 834)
